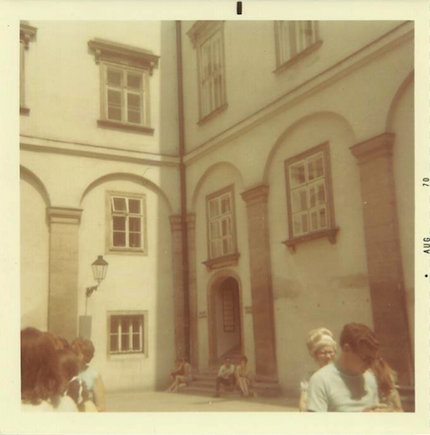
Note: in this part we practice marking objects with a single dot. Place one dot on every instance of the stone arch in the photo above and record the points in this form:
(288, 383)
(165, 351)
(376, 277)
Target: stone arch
(206, 174)
(126, 177)
(35, 181)
(293, 127)
(408, 81)
(213, 287)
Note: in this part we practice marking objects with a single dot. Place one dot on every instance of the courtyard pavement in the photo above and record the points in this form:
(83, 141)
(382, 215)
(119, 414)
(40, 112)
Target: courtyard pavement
(157, 401)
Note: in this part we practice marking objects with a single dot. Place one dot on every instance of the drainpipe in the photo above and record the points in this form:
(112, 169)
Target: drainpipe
(182, 180)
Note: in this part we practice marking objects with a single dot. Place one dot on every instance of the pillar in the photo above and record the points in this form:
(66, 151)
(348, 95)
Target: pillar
(192, 283)
(63, 271)
(176, 225)
(261, 282)
(383, 252)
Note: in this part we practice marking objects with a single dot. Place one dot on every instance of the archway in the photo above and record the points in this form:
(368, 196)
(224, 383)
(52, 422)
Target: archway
(225, 320)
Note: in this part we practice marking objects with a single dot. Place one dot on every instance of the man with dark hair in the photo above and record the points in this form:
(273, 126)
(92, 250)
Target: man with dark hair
(225, 375)
(347, 384)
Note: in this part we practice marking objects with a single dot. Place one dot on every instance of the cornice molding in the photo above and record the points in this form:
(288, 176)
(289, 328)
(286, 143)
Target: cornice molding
(31, 143)
(26, 33)
(377, 146)
(64, 215)
(105, 50)
(256, 195)
(201, 30)
(400, 34)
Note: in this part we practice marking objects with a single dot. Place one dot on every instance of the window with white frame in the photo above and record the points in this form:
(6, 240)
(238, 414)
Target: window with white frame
(124, 85)
(309, 192)
(127, 222)
(26, 34)
(221, 223)
(126, 333)
(208, 39)
(293, 38)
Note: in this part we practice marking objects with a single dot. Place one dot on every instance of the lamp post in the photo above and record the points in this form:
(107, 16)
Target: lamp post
(99, 272)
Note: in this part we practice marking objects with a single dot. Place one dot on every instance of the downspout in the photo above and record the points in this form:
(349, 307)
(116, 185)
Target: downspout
(183, 190)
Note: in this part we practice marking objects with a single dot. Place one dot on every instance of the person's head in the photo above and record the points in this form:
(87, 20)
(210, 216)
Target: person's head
(359, 347)
(84, 349)
(321, 346)
(57, 341)
(227, 361)
(243, 361)
(40, 375)
(69, 364)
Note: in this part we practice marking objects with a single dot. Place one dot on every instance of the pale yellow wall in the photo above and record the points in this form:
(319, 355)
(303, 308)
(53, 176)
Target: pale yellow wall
(34, 255)
(63, 84)
(133, 282)
(403, 155)
(250, 61)
(321, 284)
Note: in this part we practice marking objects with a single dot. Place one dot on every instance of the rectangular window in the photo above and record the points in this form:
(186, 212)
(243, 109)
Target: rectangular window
(211, 74)
(310, 203)
(294, 38)
(124, 95)
(221, 224)
(127, 222)
(126, 333)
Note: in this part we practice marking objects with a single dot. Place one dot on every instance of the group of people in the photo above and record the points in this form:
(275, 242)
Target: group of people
(56, 375)
(358, 380)
(228, 375)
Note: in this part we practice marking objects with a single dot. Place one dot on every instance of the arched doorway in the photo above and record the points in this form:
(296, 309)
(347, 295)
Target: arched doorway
(225, 322)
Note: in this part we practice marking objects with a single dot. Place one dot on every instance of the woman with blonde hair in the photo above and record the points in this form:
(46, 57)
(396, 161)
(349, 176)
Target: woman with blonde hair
(322, 348)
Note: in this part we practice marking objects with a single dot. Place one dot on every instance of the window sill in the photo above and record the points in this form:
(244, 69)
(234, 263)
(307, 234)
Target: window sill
(211, 115)
(127, 127)
(115, 356)
(24, 110)
(330, 234)
(226, 260)
(126, 251)
(298, 57)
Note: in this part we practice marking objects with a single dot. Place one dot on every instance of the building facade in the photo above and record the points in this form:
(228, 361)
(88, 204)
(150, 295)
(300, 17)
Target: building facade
(245, 181)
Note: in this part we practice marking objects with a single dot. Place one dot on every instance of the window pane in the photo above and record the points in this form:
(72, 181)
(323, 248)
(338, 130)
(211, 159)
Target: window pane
(225, 205)
(225, 246)
(321, 194)
(133, 102)
(114, 114)
(118, 223)
(297, 224)
(134, 240)
(214, 230)
(135, 324)
(114, 347)
(114, 77)
(299, 200)
(213, 208)
(225, 227)
(312, 196)
(125, 345)
(133, 116)
(134, 206)
(134, 81)
(134, 224)
(114, 98)
(118, 238)
(314, 220)
(311, 171)
(119, 204)
(136, 342)
(305, 223)
(319, 167)
(323, 218)
(114, 324)
(297, 174)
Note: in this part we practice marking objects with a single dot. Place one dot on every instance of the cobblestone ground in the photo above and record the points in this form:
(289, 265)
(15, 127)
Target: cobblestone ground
(154, 401)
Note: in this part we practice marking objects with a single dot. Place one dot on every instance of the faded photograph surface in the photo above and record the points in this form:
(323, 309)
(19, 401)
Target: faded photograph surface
(213, 216)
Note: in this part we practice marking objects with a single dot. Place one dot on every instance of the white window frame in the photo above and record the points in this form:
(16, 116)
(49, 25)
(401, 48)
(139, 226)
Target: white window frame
(208, 40)
(120, 335)
(112, 212)
(295, 38)
(126, 59)
(143, 93)
(310, 198)
(221, 243)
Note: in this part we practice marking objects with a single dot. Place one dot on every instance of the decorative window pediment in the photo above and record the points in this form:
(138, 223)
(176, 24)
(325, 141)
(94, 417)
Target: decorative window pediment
(123, 54)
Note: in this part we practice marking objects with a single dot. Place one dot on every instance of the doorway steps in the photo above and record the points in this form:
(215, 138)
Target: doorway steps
(203, 384)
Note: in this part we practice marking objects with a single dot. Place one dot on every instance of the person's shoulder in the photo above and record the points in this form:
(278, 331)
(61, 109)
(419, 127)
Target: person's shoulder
(66, 404)
(324, 372)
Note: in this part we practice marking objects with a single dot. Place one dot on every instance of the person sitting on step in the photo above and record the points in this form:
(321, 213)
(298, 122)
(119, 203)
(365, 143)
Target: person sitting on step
(226, 375)
(181, 375)
(243, 377)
